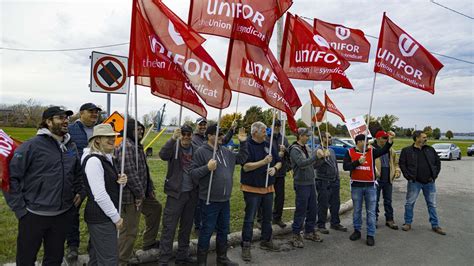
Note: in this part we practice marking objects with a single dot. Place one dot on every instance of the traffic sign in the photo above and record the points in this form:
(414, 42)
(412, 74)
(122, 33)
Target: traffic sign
(109, 73)
(117, 122)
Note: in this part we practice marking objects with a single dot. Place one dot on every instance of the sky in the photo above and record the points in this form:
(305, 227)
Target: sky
(62, 78)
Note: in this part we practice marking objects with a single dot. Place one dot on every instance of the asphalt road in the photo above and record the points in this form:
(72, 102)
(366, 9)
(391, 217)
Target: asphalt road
(420, 246)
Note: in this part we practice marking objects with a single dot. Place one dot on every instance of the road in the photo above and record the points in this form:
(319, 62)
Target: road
(420, 246)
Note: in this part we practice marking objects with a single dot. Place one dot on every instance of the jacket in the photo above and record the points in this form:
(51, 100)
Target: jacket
(78, 136)
(302, 164)
(257, 152)
(326, 168)
(223, 177)
(285, 161)
(44, 176)
(409, 160)
(174, 175)
(393, 164)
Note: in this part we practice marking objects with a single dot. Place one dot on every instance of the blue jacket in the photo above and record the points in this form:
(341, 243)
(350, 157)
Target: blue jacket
(257, 177)
(78, 136)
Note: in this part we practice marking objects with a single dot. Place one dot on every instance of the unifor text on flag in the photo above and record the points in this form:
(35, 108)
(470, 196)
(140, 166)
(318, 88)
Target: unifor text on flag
(254, 71)
(307, 55)
(348, 42)
(247, 20)
(152, 67)
(183, 45)
(404, 59)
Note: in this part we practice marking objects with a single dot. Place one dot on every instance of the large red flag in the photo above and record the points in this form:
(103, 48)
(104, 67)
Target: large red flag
(318, 117)
(307, 55)
(175, 39)
(256, 72)
(7, 147)
(348, 43)
(404, 59)
(331, 107)
(247, 20)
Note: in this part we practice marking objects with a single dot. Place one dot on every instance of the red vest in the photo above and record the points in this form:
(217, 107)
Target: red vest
(364, 172)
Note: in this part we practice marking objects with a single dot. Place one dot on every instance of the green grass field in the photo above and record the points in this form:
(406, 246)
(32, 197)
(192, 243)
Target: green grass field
(8, 222)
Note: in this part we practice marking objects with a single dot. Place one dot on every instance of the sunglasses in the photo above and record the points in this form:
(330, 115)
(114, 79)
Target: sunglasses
(385, 137)
(186, 134)
(61, 117)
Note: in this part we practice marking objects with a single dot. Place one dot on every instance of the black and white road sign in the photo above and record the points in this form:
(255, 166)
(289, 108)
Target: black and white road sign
(109, 73)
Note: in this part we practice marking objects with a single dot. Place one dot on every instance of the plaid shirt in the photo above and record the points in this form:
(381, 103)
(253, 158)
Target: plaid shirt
(139, 184)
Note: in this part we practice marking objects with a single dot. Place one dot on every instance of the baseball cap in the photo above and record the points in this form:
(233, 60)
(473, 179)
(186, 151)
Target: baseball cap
(201, 120)
(360, 137)
(304, 131)
(186, 128)
(381, 134)
(89, 106)
(277, 123)
(55, 110)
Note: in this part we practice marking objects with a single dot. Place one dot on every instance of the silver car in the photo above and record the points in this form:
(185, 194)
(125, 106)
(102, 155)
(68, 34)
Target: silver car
(447, 151)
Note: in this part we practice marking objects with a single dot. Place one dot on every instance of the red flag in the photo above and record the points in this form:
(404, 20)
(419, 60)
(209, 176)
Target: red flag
(315, 101)
(307, 55)
(179, 42)
(247, 20)
(331, 107)
(404, 59)
(7, 147)
(348, 43)
(318, 117)
(256, 72)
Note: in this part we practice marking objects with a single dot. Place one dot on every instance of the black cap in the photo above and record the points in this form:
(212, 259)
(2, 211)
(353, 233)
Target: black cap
(360, 137)
(89, 106)
(186, 128)
(303, 131)
(277, 123)
(201, 120)
(55, 110)
(212, 129)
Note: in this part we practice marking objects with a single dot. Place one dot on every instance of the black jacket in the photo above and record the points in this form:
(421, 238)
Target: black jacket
(44, 178)
(409, 161)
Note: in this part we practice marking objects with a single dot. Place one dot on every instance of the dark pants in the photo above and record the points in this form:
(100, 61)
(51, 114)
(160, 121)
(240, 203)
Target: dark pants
(306, 209)
(279, 200)
(103, 245)
(73, 234)
(33, 230)
(198, 216)
(215, 217)
(386, 188)
(328, 198)
(252, 202)
(177, 210)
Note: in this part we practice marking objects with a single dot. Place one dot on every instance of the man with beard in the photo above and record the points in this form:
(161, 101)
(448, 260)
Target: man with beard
(420, 165)
(80, 131)
(45, 184)
(138, 198)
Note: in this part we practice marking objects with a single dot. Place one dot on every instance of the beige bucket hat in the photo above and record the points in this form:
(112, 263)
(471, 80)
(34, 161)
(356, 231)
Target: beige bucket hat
(103, 130)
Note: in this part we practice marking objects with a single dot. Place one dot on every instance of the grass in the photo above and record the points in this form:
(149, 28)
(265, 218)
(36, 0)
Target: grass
(8, 222)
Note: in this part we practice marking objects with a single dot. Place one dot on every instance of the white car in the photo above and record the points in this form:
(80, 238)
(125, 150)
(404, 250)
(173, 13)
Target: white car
(348, 140)
(447, 151)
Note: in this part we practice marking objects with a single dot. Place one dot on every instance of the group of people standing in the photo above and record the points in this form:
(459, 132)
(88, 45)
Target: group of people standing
(52, 174)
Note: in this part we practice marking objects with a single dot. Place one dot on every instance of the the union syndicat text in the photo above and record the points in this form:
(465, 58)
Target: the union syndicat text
(227, 26)
(269, 91)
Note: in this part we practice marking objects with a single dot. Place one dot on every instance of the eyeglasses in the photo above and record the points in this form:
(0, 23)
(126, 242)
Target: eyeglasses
(187, 134)
(61, 117)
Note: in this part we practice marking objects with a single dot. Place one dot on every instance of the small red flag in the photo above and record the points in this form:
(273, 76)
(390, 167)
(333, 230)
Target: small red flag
(315, 101)
(331, 107)
(404, 59)
(347, 42)
(318, 117)
(7, 148)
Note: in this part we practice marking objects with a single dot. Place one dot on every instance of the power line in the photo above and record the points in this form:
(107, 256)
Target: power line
(62, 50)
(450, 9)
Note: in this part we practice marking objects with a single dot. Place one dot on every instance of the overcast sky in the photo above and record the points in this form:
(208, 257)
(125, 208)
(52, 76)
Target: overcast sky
(62, 78)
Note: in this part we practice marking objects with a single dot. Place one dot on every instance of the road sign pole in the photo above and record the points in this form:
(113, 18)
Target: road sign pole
(108, 103)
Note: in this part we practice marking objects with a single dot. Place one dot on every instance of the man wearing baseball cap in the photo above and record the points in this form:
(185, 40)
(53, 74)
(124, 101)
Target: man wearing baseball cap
(386, 170)
(46, 182)
(363, 183)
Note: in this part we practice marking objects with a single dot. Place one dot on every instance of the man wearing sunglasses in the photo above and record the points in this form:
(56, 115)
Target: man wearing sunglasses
(46, 182)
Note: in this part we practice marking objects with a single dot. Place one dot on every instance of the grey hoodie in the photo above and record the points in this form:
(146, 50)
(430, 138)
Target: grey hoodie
(302, 164)
(223, 177)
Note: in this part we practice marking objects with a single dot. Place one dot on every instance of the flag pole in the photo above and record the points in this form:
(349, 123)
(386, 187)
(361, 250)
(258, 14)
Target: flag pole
(213, 157)
(370, 112)
(179, 125)
(270, 148)
(124, 140)
(136, 126)
(327, 130)
(236, 105)
(283, 134)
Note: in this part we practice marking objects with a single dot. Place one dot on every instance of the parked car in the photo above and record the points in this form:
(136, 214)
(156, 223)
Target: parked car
(348, 140)
(339, 146)
(470, 150)
(447, 151)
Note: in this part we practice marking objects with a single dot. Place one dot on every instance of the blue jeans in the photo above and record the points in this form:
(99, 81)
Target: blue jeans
(429, 191)
(197, 216)
(369, 195)
(252, 202)
(306, 209)
(386, 188)
(215, 217)
(328, 198)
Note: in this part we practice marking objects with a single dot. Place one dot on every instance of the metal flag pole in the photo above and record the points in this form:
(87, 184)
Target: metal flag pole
(271, 143)
(213, 157)
(179, 125)
(370, 112)
(136, 126)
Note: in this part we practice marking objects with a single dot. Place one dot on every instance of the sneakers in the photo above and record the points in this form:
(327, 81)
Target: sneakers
(392, 225)
(339, 227)
(155, 245)
(370, 241)
(72, 254)
(297, 241)
(313, 236)
(269, 245)
(246, 255)
(280, 223)
(438, 230)
(355, 236)
(406, 227)
(323, 230)
(185, 261)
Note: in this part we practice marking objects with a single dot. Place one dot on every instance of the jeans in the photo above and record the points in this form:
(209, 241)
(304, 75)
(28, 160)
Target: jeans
(369, 195)
(429, 192)
(215, 217)
(306, 209)
(73, 235)
(198, 216)
(278, 201)
(252, 202)
(386, 188)
(328, 198)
